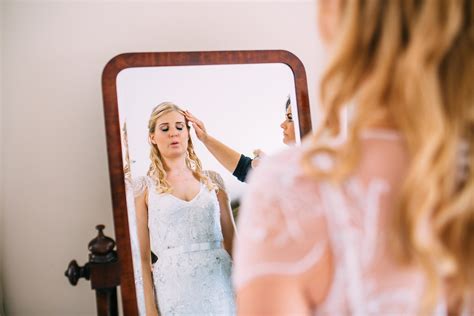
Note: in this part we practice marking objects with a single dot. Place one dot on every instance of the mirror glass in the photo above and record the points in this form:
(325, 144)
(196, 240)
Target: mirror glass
(242, 105)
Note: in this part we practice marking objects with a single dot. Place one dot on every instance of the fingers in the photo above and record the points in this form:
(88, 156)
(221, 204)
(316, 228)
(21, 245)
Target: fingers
(198, 126)
(258, 153)
(190, 117)
(255, 162)
(194, 120)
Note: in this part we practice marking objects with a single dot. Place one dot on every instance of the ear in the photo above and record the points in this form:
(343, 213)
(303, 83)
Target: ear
(152, 139)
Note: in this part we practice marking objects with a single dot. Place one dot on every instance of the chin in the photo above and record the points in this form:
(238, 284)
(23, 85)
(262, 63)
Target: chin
(175, 153)
(289, 142)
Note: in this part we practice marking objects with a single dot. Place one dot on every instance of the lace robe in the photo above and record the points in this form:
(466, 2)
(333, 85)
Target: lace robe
(289, 223)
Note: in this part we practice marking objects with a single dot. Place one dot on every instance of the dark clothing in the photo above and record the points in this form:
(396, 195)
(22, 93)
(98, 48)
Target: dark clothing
(243, 168)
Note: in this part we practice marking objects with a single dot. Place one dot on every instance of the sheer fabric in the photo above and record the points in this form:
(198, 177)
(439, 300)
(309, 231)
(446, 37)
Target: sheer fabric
(289, 221)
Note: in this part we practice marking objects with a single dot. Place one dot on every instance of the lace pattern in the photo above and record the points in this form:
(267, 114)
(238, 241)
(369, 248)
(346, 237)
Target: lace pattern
(139, 185)
(276, 222)
(193, 271)
(289, 221)
(216, 179)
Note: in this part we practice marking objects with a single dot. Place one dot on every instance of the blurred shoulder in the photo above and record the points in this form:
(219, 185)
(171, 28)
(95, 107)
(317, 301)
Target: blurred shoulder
(283, 170)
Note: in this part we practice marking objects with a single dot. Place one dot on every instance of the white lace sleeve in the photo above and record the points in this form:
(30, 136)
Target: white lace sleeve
(282, 230)
(216, 179)
(139, 186)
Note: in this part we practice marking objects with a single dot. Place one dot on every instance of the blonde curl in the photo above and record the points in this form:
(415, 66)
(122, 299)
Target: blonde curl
(412, 62)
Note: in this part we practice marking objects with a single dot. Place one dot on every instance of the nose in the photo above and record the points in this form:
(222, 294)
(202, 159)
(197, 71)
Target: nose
(283, 124)
(173, 132)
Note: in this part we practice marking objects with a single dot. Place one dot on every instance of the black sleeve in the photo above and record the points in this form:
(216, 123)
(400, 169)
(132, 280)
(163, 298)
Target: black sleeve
(243, 168)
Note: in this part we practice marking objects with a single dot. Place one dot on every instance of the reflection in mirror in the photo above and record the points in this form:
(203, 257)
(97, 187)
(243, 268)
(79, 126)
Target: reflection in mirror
(240, 105)
(190, 134)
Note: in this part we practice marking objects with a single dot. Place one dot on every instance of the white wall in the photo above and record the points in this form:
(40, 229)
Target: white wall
(55, 176)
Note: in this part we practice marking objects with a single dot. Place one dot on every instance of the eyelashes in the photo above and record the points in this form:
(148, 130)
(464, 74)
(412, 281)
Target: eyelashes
(166, 128)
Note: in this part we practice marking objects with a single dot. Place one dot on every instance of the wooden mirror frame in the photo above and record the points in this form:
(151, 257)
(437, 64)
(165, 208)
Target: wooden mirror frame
(112, 126)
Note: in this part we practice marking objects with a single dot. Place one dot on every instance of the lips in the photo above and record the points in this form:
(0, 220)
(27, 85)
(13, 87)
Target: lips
(174, 143)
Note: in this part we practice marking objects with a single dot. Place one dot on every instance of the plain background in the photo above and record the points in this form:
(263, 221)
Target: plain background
(54, 185)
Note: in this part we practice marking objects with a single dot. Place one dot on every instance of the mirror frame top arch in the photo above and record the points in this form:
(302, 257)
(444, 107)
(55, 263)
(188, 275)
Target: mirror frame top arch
(113, 135)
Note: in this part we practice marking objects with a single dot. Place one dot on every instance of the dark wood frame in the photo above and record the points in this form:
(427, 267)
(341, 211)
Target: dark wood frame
(112, 125)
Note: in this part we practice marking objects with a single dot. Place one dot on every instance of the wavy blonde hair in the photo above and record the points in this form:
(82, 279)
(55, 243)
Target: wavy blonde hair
(412, 62)
(157, 169)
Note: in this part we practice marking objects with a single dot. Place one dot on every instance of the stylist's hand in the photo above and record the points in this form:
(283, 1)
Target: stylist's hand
(199, 127)
(258, 154)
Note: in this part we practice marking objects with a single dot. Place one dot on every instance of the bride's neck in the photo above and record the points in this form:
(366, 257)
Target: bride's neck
(176, 165)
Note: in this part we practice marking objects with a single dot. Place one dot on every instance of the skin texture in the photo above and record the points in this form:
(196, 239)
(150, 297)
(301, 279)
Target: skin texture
(328, 19)
(287, 295)
(288, 127)
(171, 136)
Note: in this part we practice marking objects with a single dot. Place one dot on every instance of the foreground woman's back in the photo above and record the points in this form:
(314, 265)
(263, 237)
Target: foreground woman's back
(310, 246)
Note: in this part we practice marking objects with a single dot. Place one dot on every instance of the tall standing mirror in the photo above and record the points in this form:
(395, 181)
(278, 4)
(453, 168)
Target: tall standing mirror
(245, 100)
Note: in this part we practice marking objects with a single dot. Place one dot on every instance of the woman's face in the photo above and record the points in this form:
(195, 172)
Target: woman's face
(171, 134)
(288, 127)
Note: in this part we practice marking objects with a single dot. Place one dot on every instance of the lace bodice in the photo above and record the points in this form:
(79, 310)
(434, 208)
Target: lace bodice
(289, 222)
(173, 222)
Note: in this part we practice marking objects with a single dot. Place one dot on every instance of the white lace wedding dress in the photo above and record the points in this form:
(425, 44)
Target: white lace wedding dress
(193, 273)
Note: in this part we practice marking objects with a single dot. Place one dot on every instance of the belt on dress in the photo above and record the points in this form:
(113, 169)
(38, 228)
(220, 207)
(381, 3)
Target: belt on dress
(200, 246)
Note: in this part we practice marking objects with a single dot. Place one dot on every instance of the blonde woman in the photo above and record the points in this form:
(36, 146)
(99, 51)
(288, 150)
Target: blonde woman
(383, 222)
(184, 217)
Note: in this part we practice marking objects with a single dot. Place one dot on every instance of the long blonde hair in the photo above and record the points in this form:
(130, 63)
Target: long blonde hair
(413, 61)
(157, 168)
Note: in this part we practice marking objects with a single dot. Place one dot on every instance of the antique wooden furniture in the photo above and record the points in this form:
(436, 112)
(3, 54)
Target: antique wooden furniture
(124, 264)
(102, 270)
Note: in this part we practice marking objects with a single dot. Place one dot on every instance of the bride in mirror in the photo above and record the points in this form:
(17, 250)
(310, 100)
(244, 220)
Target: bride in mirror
(184, 217)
